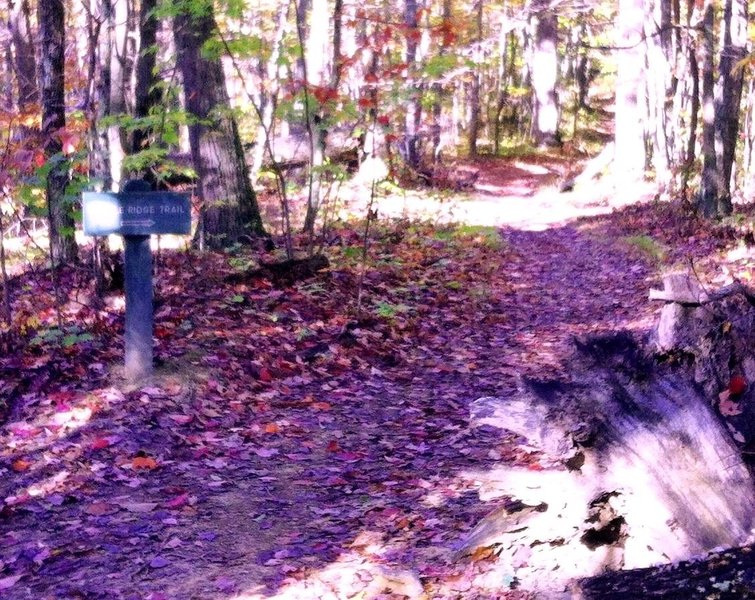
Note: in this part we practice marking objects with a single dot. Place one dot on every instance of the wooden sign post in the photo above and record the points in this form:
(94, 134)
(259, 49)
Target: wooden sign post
(136, 213)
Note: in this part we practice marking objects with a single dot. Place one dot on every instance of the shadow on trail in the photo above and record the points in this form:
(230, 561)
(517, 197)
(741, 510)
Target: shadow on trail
(283, 473)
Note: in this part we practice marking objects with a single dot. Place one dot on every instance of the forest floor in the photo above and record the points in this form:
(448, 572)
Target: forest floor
(289, 447)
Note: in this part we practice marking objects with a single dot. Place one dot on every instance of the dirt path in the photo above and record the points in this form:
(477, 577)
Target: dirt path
(332, 463)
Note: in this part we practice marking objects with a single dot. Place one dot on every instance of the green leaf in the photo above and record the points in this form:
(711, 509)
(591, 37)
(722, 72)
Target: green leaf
(439, 65)
(70, 340)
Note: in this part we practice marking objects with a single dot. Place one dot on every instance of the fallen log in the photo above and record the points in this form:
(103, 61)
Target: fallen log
(684, 288)
(284, 273)
(640, 470)
(723, 575)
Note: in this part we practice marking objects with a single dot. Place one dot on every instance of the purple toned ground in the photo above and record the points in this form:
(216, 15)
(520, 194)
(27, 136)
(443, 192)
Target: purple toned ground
(289, 448)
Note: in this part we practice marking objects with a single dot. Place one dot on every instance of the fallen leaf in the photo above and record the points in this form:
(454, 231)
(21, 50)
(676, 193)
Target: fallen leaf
(225, 584)
(265, 375)
(349, 456)
(482, 553)
(737, 385)
(180, 419)
(100, 443)
(321, 406)
(265, 452)
(99, 509)
(729, 408)
(159, 562)
(336, 480)
(144, 462)
(21, 465)
(178, 501)
(8, 582)
(272, 428)
(737, 435)
(139, 507)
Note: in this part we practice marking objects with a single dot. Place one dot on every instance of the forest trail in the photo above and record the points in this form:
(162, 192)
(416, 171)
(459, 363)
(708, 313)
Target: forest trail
(522, 193)
(301, 456)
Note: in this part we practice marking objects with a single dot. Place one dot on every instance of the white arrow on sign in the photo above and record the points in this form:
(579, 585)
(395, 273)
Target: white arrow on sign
(139, 223)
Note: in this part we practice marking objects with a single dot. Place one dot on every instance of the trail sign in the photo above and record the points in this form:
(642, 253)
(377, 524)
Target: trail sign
(136, 213)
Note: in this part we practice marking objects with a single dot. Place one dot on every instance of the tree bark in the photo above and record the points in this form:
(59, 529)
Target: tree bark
(439, 91)
(117, 21)
(146, 95)
(267, 95)
(25, 62)
(51, 16)
(748, 159)
(99, 103)
(630, 143)
(709, 187)
(413, 107)
(661, 54)
(229, 205)
(474, 99)
(544, 70)
(729, 94)
(689, 158)
(315, 67)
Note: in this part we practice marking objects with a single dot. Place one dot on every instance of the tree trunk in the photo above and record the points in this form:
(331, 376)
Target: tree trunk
(474, 99)
(689, 158)
(315, 67)
(709, 187)
(98, 107)
(686, 106)
(413, 107)
(748, 159)
(145, 94)
(660, 53)
(630, 143)
(116, 24)
(544, 72)
(51, 16)
(729, 94)
(25, 62)
(267, 95)
(439, 91)
(582, 76)
(99, 103)
(9, 94)
(508, 44)
(229, 205)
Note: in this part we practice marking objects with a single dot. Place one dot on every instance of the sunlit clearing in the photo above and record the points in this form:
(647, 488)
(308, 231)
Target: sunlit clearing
(434, 499)
(52, 419)
(53, 427)
(742, 252)
(357, 569)
(40, 489)
(533, 169)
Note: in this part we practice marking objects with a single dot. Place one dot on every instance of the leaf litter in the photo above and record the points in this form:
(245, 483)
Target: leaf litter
(288, 447)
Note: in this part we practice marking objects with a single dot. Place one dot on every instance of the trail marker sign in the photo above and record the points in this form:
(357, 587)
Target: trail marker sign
(136, 213)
